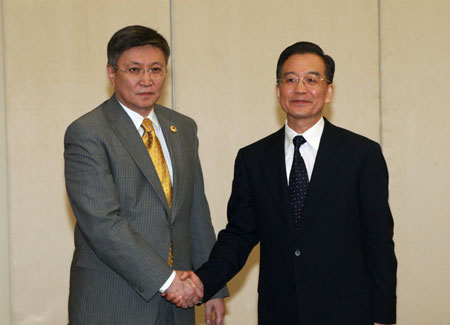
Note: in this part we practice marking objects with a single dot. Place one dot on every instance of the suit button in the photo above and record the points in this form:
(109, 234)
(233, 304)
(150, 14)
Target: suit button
(297, 252)
(140, 289)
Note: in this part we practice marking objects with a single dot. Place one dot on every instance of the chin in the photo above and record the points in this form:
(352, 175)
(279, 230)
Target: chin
(146, 104)
(298, 113)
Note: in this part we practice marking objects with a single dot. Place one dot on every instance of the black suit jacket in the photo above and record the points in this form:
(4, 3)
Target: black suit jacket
(340, 267)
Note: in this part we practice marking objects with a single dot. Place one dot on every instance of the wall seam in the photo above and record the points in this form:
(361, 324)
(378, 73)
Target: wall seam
(380, 84)
(172, 56)
(6, 311)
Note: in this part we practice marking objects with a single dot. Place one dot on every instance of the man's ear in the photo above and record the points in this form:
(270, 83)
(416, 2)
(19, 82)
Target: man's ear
(111, 74)
(277, 89)
(330, 92)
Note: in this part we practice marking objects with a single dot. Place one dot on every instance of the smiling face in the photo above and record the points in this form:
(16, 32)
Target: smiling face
(303, 105)
(138, 93)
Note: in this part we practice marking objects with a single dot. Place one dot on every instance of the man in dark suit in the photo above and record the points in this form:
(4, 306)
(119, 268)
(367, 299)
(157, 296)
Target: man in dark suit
(135, 185)
(320, 213)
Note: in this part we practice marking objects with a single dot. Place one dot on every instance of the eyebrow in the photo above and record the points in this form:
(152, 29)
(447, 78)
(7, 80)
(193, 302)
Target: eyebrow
(140, 63)
(309, 72)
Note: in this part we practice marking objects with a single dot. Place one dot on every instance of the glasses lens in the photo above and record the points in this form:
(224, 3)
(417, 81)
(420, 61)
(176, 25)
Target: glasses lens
(133, 72)
(290, 80)
(157, 73)
(311, 80)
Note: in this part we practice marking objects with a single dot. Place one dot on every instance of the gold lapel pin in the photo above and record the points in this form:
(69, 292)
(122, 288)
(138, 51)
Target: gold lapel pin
(173, 129)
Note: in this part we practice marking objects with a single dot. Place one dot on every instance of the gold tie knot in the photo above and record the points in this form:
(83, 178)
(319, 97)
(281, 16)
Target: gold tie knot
(147, 125)
(149, 130)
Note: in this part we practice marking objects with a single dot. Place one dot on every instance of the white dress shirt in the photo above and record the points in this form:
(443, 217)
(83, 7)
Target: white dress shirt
(308, 150)
(137, 121)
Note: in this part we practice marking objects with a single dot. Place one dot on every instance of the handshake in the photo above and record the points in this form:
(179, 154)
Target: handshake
(186, 290)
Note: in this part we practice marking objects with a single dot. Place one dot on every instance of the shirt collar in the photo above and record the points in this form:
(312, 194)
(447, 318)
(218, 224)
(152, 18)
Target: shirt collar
(137, 118)
(312, 135)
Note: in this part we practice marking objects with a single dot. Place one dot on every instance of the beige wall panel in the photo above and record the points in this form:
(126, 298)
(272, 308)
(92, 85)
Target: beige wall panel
(55, 54)
(225, 60)
(5, 305)
(415, 67)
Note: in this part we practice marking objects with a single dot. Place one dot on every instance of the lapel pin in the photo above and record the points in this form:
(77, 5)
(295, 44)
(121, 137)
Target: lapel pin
(173, 129)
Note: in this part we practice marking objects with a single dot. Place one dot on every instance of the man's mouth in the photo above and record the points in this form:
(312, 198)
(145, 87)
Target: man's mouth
(300, 101)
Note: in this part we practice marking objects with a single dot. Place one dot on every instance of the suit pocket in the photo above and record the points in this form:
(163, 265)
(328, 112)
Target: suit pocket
(88, 261)
(354, 286)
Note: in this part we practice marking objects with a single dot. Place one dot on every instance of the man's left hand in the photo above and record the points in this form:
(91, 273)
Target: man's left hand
(217, 307)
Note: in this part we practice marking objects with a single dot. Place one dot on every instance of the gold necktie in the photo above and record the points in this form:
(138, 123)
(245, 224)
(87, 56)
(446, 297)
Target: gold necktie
(154, 149)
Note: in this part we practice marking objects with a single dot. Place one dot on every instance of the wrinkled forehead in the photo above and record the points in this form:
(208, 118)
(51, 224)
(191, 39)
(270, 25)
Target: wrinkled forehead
(304, 63)
(146, 54)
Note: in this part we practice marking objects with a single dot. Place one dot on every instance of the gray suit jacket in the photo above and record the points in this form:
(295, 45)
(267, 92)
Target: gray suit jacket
(124, 226)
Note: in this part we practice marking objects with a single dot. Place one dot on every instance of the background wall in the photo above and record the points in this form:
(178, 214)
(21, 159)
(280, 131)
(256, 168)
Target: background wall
(224, 76)
(55, 71)
(415, 51)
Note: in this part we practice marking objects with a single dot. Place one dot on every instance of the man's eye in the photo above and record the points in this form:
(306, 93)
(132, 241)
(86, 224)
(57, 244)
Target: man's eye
(311, 80)
(134, 70)
(158, 71)
(290, 80)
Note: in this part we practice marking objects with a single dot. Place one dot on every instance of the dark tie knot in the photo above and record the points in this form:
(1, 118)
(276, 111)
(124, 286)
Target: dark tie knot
(298, 141)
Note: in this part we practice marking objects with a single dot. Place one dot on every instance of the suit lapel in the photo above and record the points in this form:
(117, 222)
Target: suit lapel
(125, 130)
(274, 174)
(325, 169)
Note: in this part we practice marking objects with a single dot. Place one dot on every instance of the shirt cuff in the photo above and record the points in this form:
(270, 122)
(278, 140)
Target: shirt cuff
(167, 284)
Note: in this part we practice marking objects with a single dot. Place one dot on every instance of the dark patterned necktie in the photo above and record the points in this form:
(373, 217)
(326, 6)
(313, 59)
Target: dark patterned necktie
(298, 181)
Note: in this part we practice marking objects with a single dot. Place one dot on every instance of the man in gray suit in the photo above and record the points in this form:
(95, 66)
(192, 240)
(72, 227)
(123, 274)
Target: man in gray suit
(135, 184)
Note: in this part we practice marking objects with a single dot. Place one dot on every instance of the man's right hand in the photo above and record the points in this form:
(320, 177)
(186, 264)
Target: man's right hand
(186, 289)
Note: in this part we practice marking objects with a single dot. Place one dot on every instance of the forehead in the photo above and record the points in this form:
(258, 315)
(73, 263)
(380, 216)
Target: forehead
(146, 54)
(303, 63)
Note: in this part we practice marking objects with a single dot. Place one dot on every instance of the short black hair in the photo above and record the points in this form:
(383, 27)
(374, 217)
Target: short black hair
(134, 36)
(305, 48)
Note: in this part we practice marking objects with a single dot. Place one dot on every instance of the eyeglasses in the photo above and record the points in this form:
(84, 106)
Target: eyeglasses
(156, 73)
(310, 81)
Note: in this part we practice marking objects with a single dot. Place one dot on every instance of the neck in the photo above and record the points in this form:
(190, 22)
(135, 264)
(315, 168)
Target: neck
(302, 125)
(144, 112)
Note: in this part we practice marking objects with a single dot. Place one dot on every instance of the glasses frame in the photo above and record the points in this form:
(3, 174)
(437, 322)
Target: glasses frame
(302, 79)
(142, 72)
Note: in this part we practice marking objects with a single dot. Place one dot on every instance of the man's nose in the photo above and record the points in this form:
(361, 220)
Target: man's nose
(300, 86)
(145, 78)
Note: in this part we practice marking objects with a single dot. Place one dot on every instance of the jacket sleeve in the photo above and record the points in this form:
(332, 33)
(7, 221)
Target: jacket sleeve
(236, 241)
(378, 233)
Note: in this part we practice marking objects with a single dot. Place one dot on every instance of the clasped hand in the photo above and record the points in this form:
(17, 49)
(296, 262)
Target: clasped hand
(186, 289)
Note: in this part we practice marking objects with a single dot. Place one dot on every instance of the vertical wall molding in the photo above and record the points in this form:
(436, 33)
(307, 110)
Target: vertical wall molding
(172, 56)
(380, 79)
(5, 283)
